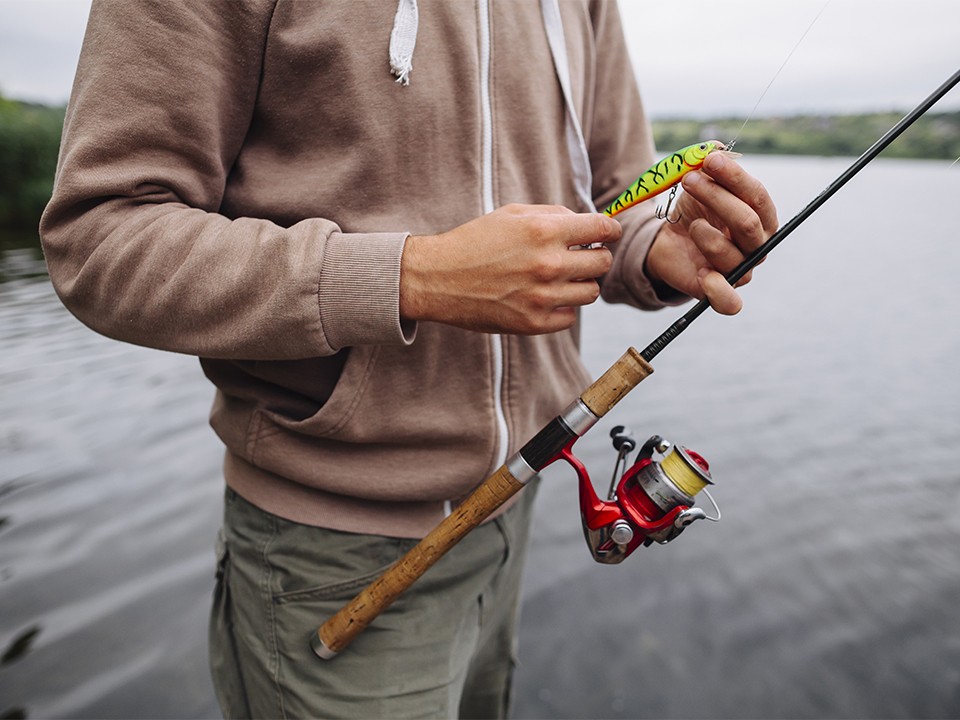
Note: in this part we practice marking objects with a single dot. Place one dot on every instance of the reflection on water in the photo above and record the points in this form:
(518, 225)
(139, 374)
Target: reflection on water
(110, 488)
(829, 410)
(20, 645)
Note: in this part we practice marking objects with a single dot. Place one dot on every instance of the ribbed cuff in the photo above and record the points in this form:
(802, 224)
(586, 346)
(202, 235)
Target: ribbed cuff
(359, 290)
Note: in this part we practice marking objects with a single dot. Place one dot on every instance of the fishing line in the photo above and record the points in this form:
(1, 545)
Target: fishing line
(682, 474)
(671, 333)
(780, 70)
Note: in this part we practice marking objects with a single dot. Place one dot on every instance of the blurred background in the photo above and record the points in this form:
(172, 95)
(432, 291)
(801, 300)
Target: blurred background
(829, 410)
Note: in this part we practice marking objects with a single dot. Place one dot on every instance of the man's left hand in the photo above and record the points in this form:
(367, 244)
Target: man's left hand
(725, 214)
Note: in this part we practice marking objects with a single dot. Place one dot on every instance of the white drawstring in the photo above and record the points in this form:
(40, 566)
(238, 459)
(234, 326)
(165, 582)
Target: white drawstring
(403, 39)
(576, 147)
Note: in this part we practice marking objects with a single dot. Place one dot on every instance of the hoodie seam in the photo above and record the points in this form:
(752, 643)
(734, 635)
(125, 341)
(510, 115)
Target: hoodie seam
(254, 430)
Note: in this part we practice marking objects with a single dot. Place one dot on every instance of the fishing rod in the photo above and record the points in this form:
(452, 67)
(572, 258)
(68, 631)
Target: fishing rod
(653, 500)
(754, 258)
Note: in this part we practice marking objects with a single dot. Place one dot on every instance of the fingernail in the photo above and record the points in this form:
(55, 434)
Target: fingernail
(716, 161)
(692, 178)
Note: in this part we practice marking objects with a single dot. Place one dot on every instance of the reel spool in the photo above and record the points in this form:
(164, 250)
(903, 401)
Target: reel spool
(652, 502)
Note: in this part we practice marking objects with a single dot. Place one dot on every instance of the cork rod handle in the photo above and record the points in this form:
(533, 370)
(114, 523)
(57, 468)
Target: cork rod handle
(619, 379)
(337, 632)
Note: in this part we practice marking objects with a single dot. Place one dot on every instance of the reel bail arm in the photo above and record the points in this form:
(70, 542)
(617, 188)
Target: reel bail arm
(652, 501)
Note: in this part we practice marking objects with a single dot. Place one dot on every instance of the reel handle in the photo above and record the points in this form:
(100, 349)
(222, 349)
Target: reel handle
(623, 441)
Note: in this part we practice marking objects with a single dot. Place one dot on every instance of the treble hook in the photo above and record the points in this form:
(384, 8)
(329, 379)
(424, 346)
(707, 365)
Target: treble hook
(664, 212)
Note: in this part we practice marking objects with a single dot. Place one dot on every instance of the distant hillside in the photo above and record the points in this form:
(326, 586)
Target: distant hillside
(30, 137)
(935, 135)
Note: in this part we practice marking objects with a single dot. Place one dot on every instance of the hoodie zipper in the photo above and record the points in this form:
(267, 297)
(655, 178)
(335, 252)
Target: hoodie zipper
(486, 168)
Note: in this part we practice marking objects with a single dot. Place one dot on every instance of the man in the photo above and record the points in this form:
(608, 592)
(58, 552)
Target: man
(381, 279)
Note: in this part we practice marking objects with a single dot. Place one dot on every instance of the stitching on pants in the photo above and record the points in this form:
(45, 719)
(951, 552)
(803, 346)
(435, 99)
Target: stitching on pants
(266, 599)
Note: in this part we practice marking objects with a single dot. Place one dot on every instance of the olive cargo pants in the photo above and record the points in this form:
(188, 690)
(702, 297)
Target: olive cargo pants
(445, 648)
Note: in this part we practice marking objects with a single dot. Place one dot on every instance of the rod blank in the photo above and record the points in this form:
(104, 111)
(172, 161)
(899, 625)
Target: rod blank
(751, 261)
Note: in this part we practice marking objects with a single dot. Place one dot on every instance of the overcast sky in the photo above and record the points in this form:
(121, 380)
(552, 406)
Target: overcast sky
(692, 57)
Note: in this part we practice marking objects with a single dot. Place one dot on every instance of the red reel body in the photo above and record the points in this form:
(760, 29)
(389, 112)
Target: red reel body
(652, 502)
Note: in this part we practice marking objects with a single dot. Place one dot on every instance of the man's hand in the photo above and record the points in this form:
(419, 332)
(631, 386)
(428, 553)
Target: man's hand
(725, 214)
(511, 271)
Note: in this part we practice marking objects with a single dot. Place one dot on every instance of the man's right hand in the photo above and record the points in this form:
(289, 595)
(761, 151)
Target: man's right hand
(516, 270)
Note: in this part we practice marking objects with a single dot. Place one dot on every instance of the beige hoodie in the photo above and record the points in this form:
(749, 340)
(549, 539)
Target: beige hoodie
(237, 180)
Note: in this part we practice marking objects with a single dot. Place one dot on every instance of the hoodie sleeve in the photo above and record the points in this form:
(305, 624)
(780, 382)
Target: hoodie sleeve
(621, 148)
(135, 245)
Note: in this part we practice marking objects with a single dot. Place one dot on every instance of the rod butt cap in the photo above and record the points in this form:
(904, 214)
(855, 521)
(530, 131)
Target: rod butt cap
(320, 648)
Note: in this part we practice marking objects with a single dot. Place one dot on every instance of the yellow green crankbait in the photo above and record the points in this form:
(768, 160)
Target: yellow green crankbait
(664, 175)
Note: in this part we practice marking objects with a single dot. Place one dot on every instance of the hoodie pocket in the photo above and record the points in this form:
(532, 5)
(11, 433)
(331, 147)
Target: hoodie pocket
(395, 411)
(339, 407)
(435, 392)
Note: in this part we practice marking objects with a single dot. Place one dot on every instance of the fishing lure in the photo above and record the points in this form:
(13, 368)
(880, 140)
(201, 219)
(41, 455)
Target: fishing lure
(665, 175)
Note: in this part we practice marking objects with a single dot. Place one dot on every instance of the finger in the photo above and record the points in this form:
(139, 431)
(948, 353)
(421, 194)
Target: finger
(723, 298)
(733, 177)
(589, 228)
(589, 263)
(521, 209)
(559, 319)
(727, 210)
(717, 249)
(748, 276)
(577, 294)
(555, 304)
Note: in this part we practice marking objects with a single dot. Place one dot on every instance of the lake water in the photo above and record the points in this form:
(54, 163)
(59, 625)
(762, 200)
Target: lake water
(829, 410)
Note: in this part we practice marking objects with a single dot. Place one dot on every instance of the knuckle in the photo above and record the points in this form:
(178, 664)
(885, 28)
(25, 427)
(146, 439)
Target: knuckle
(548, 268)
(710, 240)
(747, 223)
(713, 244)
(540, 301)
(763, 204)
(760, 201)
(601, 226)
(538, 228)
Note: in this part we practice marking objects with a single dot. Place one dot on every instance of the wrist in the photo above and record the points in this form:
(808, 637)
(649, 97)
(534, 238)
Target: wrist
(650, 259)
(650, 268)
(413, 302)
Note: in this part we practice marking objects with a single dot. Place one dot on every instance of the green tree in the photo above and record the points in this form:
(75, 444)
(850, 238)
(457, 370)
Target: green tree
(29, 142)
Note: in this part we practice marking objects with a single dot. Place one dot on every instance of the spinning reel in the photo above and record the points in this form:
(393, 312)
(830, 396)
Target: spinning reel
(653, 500)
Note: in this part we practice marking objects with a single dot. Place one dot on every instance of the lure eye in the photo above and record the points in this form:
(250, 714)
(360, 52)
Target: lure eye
(703, 146)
